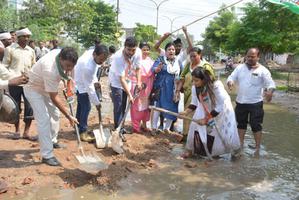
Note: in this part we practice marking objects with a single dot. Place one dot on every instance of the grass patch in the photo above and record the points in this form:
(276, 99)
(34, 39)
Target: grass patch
(282, 87)
(279, 75)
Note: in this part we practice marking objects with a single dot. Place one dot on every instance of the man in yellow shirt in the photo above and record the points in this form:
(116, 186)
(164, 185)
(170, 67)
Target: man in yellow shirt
(19, 58)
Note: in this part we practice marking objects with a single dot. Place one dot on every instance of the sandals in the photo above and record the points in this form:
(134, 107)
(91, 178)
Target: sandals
(16, 136)
(30, 138)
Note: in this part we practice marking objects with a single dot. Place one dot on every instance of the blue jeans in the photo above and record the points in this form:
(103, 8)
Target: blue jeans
(83, 109)
(119, 99)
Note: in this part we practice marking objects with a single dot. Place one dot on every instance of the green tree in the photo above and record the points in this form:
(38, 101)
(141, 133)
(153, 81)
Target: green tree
(3, 3)
(103, 25)
(78, 17)
(8, 17)
(217, 33)
(267, 26)
(145, 33)
(44, 17)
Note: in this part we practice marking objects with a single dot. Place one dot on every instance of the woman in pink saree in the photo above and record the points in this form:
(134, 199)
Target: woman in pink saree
(140, 112)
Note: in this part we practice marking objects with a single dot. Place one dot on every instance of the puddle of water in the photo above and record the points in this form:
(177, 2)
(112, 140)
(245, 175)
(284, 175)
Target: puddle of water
(273, 176)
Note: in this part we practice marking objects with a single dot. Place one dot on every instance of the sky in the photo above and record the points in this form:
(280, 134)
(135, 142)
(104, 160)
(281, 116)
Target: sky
(181, 12)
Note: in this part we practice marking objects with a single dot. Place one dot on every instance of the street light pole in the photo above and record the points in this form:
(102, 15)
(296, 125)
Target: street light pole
(117, 13)
(171, 21)
(157, 8)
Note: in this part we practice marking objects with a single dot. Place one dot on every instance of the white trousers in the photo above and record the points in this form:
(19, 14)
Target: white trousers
(155, 119)
(46, 115)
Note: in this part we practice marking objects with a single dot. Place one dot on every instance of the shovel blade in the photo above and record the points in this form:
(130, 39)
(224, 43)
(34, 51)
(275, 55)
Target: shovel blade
(116, 142)
(91, 163)
(103, 137)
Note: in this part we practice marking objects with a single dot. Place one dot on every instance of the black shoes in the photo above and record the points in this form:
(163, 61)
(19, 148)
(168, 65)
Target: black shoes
(51, 161)
(58, 146)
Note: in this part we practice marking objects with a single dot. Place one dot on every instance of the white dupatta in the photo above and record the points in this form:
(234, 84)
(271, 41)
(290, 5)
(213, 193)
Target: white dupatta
(173, 68)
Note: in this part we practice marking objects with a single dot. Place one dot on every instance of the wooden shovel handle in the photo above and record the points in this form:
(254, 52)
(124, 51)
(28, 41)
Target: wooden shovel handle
(171, 113)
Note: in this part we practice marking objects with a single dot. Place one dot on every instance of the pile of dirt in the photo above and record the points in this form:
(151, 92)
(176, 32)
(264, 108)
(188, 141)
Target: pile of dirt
(22, 170)
(141, 150)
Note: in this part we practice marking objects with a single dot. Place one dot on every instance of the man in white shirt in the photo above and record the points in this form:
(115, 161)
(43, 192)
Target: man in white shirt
(254, 81)
(42, 93)
(85, 80)
(124, 66)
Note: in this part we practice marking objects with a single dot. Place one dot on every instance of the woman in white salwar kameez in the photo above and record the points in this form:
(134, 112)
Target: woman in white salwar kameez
(215, 132)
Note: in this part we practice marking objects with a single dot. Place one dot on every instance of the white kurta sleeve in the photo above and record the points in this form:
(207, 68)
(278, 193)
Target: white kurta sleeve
(3, 84)
(220, 95)
(89, 84)
(194, 97)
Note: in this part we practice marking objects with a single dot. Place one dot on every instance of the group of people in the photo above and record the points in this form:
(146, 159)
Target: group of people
(135, 78)
(216, 128)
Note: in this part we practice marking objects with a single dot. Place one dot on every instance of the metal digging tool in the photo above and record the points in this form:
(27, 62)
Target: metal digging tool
(117, 134)
(190, 119)
(101, 135)
(90, 163)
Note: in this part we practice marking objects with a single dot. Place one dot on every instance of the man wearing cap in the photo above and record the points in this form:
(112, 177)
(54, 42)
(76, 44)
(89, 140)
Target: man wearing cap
(5, 41)
(19, 58)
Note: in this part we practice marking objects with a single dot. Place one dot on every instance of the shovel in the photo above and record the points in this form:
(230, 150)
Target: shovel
(90, 163)
(118, 138)
(190, 119)
(102, 136)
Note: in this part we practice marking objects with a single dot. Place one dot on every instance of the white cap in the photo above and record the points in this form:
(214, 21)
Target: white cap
(22, 32)
(5, 35)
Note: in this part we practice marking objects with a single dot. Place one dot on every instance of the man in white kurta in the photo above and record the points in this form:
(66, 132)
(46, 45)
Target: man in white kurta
(42, 93)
